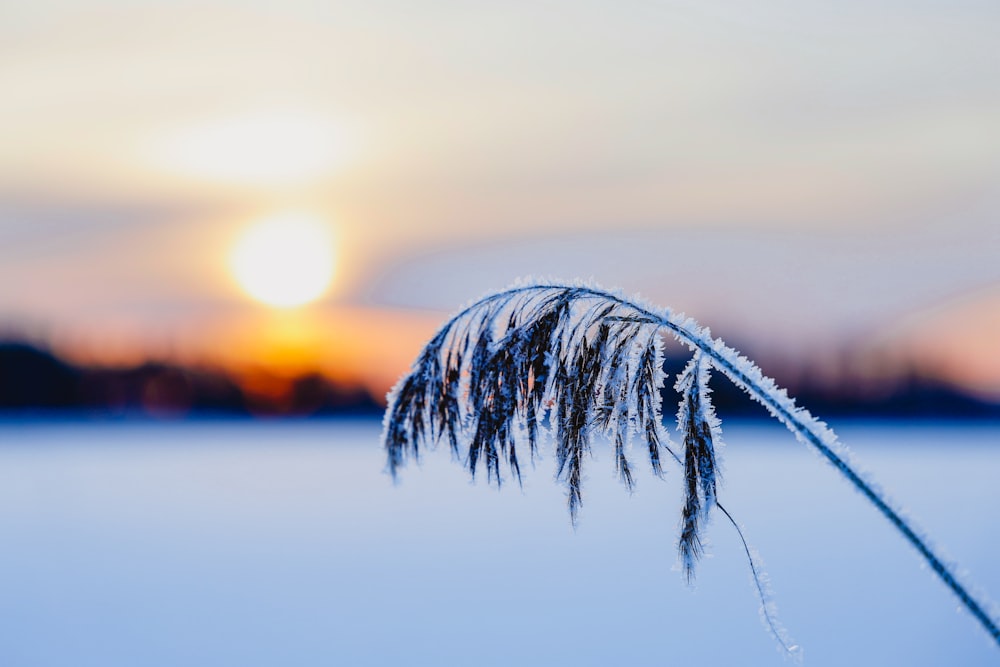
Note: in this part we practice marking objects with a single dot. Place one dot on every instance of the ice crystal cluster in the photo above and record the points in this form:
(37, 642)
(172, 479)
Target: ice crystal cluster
(557, 360)
(570, 362)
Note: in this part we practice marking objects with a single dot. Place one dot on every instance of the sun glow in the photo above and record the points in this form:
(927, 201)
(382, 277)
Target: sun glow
(263, 148)
(285, 261)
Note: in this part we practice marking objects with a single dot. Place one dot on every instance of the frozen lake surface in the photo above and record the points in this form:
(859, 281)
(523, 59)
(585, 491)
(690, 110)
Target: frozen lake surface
(256, 543)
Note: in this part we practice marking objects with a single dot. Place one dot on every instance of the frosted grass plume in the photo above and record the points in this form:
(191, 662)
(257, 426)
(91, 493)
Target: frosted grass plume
(573, 362)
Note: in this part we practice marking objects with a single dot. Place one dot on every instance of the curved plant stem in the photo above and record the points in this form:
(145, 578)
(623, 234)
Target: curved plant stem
(772, 623)
(806, 431)
(806, 428)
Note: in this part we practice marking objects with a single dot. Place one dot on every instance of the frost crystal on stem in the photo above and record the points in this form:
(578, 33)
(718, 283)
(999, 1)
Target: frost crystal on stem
(575, 361)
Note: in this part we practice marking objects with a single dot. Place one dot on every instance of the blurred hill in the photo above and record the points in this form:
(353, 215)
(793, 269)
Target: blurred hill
(33, 379)
(906, 394)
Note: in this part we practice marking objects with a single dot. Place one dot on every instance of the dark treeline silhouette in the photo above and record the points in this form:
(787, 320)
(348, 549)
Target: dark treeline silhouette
(33, 379)
(906, 395)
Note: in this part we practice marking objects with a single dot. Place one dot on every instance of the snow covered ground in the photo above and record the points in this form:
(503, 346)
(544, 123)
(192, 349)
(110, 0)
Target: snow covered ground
(256, 543)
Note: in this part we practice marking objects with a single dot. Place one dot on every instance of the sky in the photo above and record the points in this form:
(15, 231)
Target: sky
(798, 175)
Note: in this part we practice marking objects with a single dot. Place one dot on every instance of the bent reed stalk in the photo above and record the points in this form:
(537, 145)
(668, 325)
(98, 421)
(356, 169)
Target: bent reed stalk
(586, 361)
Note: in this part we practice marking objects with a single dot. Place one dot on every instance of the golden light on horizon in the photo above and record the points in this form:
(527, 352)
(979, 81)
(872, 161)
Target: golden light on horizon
(261, 148)
(285, 261)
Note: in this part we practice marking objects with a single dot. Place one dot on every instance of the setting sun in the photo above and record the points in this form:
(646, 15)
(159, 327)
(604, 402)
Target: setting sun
(285, 261)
